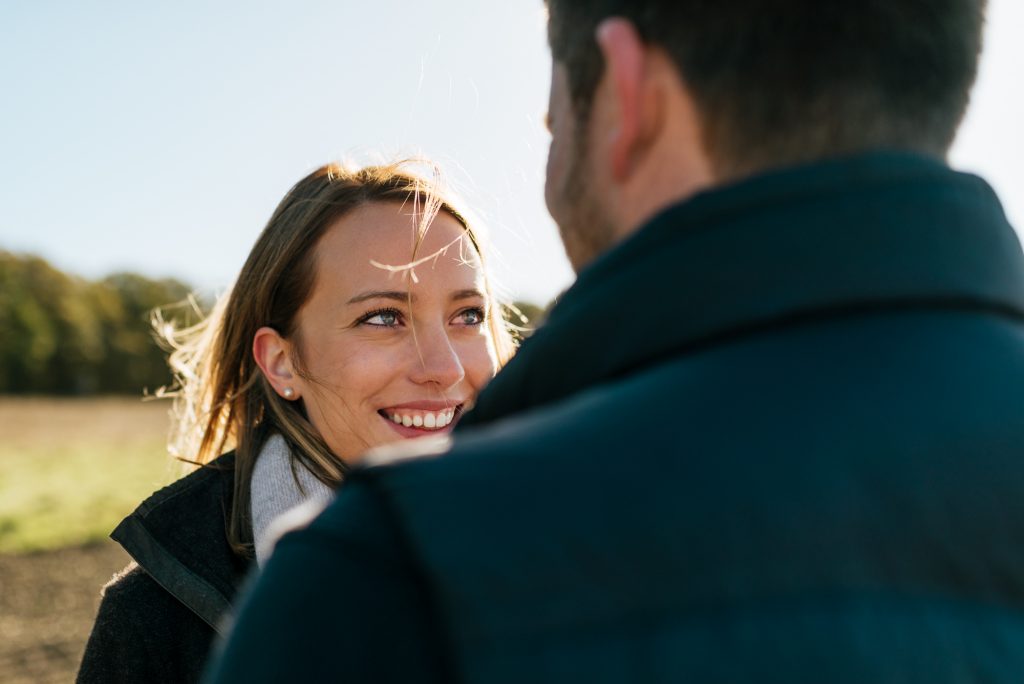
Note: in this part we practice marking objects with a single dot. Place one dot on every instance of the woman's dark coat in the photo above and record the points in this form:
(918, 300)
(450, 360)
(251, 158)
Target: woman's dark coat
(160, 616)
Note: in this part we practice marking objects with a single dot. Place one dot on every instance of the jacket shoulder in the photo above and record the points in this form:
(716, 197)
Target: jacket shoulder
(142, 633)
(134, 597)
(209, 475)
(179, 537)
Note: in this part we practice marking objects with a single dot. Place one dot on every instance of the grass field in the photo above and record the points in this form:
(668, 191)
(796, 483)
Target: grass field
(71, 469)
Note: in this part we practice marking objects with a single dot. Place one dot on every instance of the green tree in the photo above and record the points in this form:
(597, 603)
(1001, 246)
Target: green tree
(44, 326)
(60, 334)
(133, 361)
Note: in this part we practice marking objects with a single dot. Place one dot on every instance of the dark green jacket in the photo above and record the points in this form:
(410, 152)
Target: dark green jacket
(775, 436)
(158, 620)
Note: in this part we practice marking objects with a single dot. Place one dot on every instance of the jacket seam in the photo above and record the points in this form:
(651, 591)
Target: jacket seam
(134, 535)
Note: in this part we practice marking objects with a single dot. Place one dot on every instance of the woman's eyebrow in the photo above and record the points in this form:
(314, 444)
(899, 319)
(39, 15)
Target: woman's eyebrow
(382, 294)
(407, 297)
(467, 294)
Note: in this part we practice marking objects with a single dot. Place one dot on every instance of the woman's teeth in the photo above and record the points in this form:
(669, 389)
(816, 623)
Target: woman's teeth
(427, 420)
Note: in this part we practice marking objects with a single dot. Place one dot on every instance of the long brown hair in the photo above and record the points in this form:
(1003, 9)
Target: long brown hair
(222, 400)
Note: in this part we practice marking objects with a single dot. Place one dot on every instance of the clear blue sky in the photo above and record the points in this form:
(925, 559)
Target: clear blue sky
(159, 137)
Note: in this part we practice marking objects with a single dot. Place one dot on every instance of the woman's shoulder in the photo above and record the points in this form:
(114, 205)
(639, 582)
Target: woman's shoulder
(178, 537)
(218, 475)
(133, 593)
(185, 518)
(142, 633)
(132, 597)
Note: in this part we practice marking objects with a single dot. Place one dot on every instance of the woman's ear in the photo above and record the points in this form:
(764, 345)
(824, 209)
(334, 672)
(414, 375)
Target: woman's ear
(273, 354)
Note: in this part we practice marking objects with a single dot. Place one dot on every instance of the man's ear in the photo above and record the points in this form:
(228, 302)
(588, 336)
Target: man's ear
(273, 355)
(625, 58)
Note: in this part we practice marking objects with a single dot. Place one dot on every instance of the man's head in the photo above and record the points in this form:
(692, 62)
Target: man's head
(765, 84)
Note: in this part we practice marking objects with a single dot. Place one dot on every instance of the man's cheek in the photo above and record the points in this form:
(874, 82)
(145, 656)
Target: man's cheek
(551, 178)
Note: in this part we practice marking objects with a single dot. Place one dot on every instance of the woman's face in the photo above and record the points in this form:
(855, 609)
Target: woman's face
(388, 355)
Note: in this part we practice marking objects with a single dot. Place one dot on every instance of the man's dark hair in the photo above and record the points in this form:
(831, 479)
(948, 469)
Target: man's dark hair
(797, 80)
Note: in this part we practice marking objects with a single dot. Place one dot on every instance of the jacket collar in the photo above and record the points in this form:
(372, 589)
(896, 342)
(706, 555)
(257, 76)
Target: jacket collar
(178, 536)
(877, 231)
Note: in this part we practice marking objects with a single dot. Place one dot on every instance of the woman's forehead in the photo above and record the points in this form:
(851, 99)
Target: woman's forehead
(386, 243)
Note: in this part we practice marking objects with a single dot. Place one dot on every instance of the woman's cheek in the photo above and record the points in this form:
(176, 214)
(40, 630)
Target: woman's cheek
(480, 362)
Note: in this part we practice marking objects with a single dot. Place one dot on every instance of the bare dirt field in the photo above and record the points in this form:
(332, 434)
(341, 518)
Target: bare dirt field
(70, 469)
(48, 600)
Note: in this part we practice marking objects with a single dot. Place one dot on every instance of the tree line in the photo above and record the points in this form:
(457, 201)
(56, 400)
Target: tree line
(65, 335)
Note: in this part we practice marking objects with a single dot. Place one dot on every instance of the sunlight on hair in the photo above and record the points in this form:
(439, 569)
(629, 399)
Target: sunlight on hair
(409, 268)
(191, 362)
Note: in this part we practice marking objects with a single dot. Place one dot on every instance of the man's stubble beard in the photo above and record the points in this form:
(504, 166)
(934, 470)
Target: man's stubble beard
(585, 227)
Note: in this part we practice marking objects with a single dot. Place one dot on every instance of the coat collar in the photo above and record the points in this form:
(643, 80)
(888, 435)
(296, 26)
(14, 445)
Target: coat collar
(877, 231)
(178, 536)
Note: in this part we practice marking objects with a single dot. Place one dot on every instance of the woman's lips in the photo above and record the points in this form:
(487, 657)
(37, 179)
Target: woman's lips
(416, 420)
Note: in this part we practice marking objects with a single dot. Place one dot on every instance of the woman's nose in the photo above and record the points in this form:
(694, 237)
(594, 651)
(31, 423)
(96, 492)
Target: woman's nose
(438, 360)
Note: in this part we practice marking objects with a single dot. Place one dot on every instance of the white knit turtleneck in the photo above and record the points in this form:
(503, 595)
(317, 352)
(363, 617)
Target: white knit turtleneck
(276, 489)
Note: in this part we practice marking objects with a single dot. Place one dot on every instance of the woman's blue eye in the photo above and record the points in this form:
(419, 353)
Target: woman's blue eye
(472, 316)
(384, 319)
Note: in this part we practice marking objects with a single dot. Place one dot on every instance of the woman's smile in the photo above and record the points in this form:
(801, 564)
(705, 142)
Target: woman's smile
(417, 419)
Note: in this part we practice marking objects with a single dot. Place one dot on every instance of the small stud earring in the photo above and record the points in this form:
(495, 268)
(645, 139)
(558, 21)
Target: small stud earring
(289, 393)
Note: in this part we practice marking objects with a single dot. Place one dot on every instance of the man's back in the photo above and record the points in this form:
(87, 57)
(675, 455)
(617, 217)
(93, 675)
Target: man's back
(832, 493)
(743, 515)
(806, 467)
